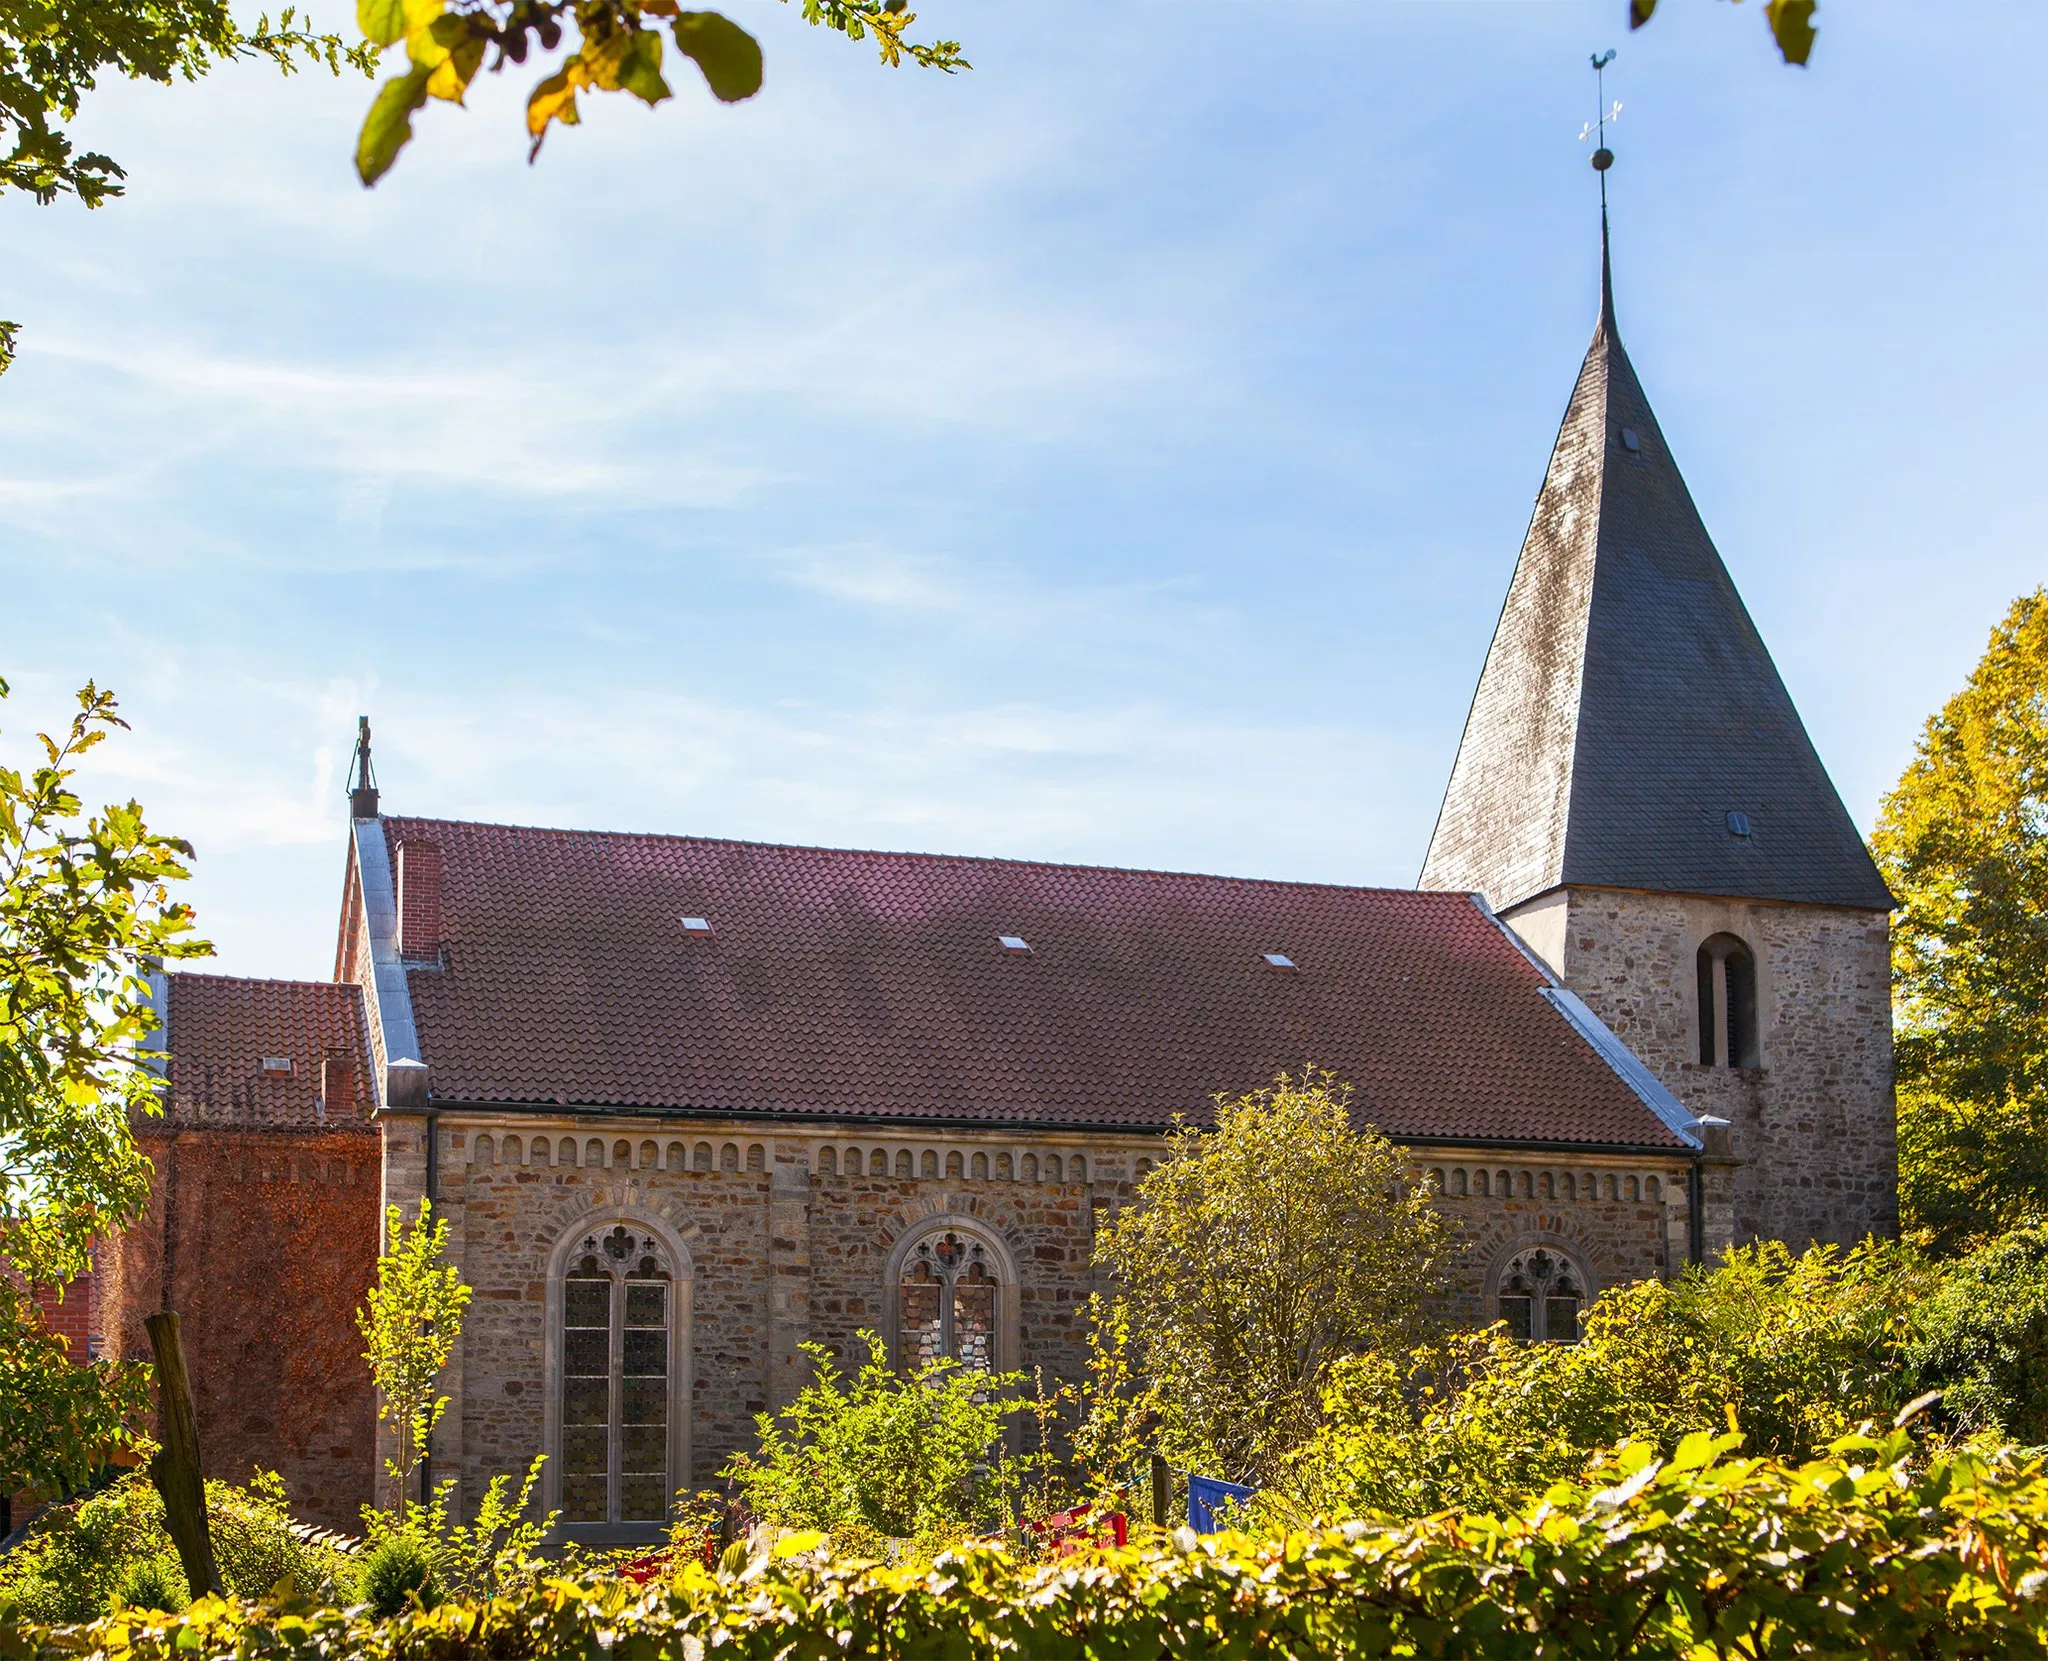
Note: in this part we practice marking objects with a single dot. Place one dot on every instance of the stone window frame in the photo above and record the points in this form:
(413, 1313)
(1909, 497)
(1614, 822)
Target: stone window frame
(1572, 1251)
(681, 1353)
(1714, 1003)
(1007, 1357)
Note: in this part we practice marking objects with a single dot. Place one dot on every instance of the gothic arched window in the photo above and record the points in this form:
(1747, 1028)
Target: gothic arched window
(946, 1303)
(1727, 1003)
(618, 1322)
(1540, 1295)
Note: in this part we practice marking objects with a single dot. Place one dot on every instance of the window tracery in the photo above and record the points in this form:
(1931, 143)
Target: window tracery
(946, 1303)
(1541, 1291)
(618, 1315)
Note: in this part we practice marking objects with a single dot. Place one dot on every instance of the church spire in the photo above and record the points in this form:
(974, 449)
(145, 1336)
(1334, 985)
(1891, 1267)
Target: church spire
(1630, 729)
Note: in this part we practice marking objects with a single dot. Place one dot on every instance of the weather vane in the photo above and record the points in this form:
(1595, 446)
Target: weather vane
(1596, 129)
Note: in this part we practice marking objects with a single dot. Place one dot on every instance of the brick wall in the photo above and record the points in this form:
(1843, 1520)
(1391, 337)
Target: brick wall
(268, 1240)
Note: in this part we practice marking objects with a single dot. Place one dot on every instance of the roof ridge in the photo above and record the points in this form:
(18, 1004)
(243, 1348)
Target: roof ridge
(257, 980)
(918, 854)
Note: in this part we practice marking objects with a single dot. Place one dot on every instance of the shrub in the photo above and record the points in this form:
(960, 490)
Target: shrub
(883, 1456)
(1981, 1337)
(398, 1571)
(1868, 1551)
(1800, 1349)
(74, 1558)
(153, 1583)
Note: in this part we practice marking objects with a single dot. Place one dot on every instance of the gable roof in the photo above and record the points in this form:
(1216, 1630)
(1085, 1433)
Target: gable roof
(1628, 705)
(220, 1028)
(838, 984)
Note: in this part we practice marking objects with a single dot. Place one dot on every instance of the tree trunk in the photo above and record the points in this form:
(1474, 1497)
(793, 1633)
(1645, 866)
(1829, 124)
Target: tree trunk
(175, 1469)
(1162, 1492)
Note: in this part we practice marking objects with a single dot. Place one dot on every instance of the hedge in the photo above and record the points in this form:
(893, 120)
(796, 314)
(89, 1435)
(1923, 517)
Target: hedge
(1871, 1551)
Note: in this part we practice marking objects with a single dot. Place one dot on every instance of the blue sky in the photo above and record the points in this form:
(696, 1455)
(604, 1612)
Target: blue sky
(1115, 454)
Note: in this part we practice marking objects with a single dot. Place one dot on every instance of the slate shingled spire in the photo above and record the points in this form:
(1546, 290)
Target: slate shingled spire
(1630, 729)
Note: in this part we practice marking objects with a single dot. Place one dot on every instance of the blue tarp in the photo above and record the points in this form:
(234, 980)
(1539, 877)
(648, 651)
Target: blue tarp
(1206, 1496)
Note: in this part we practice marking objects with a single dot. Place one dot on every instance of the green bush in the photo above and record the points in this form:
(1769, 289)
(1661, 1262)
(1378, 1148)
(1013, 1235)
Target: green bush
(1800, 1349)
(153, 1583)
(882, 1455)
(398, 1572)
(1869, 1551)
(74, 1558)
(1981, 1338)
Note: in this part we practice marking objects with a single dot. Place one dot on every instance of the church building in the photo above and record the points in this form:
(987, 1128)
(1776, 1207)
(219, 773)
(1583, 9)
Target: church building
(689, 1104)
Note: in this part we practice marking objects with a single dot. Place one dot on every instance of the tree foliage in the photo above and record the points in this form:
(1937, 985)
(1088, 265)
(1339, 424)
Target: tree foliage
(1790, 23)
(617, 48)
(85, 909)
(410, 1320)
(53, 52)
(1256, 1255)
(1963, 841)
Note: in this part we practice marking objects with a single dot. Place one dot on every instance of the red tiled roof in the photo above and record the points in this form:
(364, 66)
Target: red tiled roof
(220, 1028)
(871, 985)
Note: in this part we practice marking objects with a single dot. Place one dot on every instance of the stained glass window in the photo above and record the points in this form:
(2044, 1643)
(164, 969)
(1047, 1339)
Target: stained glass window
(617, 1315)
(1540, 1294)
(946, 1304)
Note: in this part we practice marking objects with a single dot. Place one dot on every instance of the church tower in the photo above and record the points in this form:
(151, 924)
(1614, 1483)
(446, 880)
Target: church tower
(1636, 795)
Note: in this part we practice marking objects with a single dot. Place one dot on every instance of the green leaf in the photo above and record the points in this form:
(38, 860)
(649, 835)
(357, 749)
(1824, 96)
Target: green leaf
(388, 127)
(382, 21)
(1639, 12)
(640, 71)
(1791, 24)
(728, 55)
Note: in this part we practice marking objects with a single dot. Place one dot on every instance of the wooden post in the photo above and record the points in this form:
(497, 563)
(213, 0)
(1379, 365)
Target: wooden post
(175, 1469)
(1162, 1492)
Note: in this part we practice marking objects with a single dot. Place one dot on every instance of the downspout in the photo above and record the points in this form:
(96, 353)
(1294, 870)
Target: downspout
(433, 1199)
(1695, 1201)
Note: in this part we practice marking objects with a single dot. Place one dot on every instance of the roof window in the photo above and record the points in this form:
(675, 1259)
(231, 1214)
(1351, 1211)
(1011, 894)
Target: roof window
(698, 925)
(1279, 960)
(1739, 825)
(277, 1066)
(1013, 943)
(1631, 441)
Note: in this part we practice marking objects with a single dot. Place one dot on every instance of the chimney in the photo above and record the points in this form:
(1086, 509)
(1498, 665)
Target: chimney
(419, 900)
(362, 787)
(337, 1084)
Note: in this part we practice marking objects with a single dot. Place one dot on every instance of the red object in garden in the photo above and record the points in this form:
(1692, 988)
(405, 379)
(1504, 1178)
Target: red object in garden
(651, 1567)
(1082, 1529)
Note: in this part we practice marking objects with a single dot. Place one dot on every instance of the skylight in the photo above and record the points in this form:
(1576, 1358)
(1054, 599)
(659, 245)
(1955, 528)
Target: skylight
(1631, 441)
(1013, 943)
(1738, 824)
(277, 1066)
(698, 925)
(1278, 960)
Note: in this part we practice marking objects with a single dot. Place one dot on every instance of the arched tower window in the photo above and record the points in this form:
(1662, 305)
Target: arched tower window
(1727, 1003)
(618, 1324)
(1540, 1294)
(946, 1302)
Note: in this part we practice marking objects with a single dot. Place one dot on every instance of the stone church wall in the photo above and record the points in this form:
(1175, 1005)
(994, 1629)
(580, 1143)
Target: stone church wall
(1815, 1126)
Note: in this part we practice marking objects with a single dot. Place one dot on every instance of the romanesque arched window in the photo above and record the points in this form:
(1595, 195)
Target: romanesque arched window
(947, 1302)
(618, 1355)
(1541, 1291)
(1727, 1003)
